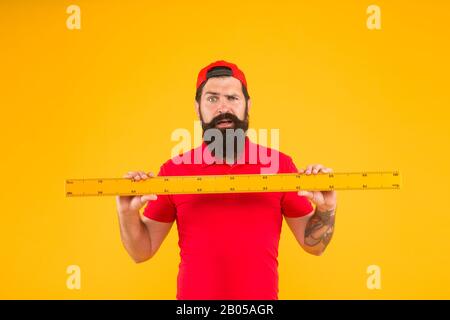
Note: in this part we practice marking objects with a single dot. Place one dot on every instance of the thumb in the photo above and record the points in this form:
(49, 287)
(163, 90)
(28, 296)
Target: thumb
(148, 197)
(307, 194)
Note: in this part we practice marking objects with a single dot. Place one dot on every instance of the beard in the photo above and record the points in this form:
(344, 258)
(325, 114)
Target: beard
(226, 141)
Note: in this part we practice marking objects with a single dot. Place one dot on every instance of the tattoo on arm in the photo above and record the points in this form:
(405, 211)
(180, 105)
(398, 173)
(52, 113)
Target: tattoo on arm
(319, 228)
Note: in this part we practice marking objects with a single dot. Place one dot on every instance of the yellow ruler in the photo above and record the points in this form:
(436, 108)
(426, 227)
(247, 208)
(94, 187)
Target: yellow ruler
(238, 183)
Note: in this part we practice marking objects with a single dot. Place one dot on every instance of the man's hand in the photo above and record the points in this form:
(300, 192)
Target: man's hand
(324, 200)
(319, 229)
(140, 236)
(130, 205)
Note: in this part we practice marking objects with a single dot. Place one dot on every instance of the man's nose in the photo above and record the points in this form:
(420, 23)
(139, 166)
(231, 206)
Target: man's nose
(223, 106)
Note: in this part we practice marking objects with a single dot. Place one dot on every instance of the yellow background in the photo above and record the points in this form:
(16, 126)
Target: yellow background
(103, 100)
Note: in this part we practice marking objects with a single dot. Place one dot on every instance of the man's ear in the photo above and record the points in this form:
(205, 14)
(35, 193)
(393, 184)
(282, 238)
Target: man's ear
(197, 108)
(249, 104)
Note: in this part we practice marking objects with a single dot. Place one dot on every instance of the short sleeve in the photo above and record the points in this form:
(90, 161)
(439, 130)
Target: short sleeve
(293, 205)
(162, 209)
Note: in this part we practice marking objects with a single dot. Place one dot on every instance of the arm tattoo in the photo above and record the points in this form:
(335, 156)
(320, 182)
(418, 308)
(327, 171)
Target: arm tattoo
(319, 228)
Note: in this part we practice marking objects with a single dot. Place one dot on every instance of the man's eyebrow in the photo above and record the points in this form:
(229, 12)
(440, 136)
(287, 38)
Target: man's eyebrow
(218, 94)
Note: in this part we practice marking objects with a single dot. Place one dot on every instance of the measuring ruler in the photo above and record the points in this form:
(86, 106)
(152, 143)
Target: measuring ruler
(238, 183)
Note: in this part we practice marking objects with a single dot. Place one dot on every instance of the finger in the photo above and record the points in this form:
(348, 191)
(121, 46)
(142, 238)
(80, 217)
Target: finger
(150, 174)
(129, 174)
(329, 170)
(306, 194)
(148, 197)
(133, 174)
(325, 170)
(308, 169)
(143, 175)
(139, 175)
(316, 168)
(301, 170)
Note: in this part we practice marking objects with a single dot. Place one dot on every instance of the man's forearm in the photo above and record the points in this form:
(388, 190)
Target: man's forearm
(319, 230)
(135, 236)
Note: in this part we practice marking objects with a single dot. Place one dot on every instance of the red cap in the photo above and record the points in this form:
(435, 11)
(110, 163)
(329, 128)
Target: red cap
(235, 72)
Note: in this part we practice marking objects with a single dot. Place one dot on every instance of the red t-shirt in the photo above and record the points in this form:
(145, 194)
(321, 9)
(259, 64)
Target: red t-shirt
(228, 242)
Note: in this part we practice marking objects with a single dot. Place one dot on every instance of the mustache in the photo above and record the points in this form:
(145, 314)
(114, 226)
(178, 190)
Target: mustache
(238, 123)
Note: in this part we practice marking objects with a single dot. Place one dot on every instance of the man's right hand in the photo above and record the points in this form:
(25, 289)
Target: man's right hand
(130, 205)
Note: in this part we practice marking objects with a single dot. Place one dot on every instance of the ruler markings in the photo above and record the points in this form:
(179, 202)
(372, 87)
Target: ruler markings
(240, 183)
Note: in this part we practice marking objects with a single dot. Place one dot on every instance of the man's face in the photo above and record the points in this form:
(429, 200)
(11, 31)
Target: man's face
(222, 104)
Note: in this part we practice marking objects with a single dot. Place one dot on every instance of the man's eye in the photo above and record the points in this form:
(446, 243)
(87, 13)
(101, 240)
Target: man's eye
(212, 99)
(232, 98)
